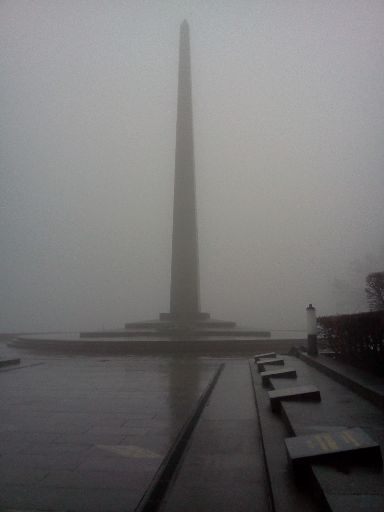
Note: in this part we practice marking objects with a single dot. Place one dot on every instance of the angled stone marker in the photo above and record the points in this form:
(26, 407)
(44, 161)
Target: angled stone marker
(267, 355)
(265, 362)
(277, 374)
(354, 443)
(309, 392)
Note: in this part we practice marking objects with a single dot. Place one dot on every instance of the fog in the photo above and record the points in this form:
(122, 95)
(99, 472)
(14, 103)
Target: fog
(289, 122)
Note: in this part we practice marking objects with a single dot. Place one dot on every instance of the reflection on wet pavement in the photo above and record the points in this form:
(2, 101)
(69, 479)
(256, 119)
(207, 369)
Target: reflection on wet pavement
(90, 433)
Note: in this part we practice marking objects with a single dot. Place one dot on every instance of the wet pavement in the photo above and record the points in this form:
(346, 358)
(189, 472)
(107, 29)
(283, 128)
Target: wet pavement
(101, 433)
(223, 468)
(90, 434)
(343, 485)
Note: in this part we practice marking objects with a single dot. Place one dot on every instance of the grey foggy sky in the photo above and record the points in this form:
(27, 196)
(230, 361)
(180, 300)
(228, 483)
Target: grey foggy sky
(289, 122)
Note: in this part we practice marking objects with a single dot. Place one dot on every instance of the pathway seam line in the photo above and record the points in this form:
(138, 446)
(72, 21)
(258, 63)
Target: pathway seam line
(152, 498)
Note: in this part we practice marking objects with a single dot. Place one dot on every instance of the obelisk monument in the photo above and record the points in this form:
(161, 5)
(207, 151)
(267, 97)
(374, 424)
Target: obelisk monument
(185, 302)
(185, 323)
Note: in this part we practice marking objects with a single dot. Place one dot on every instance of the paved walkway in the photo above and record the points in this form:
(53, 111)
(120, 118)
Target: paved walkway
(223, 468)
(94, 434)
(90, 434)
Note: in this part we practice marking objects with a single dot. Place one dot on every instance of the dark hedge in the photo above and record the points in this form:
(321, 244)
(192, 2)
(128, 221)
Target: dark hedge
(357, 339)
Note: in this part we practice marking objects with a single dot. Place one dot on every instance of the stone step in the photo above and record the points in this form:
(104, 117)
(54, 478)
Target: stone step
(269, 362)
(277, 374)
(308, 392)
(267, 355)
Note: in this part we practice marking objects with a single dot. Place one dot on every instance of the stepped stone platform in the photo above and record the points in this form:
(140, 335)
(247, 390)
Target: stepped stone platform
(203, 336)
(168, 328)
(168, 334)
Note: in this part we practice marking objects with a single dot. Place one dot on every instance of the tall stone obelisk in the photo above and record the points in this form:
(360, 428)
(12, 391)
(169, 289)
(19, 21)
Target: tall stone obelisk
(185, 322)
(185, 258)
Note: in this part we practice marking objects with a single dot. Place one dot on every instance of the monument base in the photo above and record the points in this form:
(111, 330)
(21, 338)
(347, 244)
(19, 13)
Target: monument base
(223, 347)
(172, 327)
(169, 335)
(197, 317)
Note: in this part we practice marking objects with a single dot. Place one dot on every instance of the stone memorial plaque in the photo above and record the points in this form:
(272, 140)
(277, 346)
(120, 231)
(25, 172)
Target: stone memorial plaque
(309, 392)
(268, 355)
(264, 362)
(276, 374)
(327, 445)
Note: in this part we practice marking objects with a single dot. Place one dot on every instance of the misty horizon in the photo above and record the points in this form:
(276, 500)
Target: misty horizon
(288, 122)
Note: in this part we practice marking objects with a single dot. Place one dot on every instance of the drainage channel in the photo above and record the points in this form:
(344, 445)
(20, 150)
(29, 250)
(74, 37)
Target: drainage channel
(152, 498)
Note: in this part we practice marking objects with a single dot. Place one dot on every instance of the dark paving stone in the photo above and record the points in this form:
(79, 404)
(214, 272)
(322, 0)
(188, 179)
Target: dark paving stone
(242, 498)
(52, 451)
(356, 503)
(46, 461)
(235, 437)
(88, 439)
(105, 462)
(44, 428)
(19, 475)
(370, 478)
(129, 480)
(74, 500)
(150, 447)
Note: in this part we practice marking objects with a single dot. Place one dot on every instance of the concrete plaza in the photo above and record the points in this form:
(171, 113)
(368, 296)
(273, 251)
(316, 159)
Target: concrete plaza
(94, 433)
